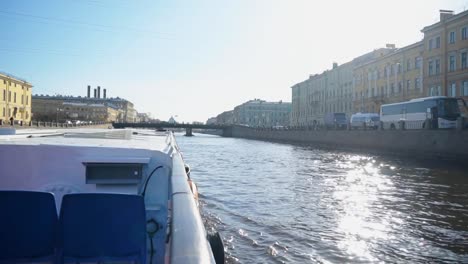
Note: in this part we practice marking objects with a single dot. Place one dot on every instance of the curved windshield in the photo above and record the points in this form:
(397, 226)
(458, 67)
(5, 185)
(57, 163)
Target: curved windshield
(448, 108)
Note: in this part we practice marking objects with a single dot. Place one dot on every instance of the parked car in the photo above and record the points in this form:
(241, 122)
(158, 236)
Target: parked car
(335, 120)
(364, 120)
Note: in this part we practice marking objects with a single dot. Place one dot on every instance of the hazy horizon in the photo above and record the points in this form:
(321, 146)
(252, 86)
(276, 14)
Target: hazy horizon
(196, 59)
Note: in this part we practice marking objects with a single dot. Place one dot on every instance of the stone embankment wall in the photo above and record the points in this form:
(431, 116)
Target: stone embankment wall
(209, 132)
(433, 144)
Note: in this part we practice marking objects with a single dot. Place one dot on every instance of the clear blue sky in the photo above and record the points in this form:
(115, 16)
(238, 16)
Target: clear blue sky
(195, 59)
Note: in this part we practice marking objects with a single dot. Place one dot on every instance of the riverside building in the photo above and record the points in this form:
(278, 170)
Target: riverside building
(436, 65)
(53, 108)
(394, 77)
(225, 118)
(260, 113)
(60, 111)
(446, 55)
(15, 99)
(329, 92)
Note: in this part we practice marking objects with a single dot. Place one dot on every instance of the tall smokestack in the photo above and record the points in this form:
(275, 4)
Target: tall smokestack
(99, 92)
(89, 91)
(95, 92)
(105, 90)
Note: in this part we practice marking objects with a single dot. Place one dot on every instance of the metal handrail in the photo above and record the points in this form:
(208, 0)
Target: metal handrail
(188, 236)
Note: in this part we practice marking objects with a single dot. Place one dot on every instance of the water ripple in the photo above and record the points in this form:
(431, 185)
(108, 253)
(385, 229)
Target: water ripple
(279, 203)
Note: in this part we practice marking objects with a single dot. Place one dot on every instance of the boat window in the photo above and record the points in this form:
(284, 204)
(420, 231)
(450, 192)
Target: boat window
(113, 173)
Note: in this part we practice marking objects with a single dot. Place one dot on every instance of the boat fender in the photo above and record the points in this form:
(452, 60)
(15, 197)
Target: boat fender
(217, 247)
(194, 189)
(187, 170)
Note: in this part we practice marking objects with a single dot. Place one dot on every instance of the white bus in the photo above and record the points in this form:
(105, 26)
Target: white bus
(442, 110)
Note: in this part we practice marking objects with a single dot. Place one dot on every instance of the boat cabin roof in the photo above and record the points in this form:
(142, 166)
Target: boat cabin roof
(103, 138)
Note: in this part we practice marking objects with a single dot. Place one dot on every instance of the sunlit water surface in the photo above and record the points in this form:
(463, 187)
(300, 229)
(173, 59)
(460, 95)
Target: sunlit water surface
(281, 203)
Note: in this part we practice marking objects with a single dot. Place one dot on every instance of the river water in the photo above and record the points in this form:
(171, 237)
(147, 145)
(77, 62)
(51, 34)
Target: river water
(281, 203)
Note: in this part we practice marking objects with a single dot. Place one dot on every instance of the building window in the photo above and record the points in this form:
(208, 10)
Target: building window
(22, 99)
(435, 91)
(417, 62)
(465, 88)
(463, 60)
(438, 42)
(451, 63)
(398, 67)
(9, 96)
(453, 90)
(417, 83)
(392, 88)
(14, 97)
(408, 85)
(430, 44)
(27, 100)
(400, 88)
(452, 37)
(408, 65)
(437, 66)
(464, 91)
(463, 34)
(431, 68)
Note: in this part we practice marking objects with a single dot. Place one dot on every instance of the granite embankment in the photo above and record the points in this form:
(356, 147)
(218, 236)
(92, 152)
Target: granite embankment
(432, 144)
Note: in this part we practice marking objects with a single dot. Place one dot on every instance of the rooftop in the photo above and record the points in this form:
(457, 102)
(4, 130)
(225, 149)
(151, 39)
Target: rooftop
(13, 77)
(395, 52)
(447, 16)
(70, 97)
(258, 101)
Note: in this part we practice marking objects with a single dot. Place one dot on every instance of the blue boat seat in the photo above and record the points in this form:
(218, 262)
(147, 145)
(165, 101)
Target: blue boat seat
(28, 227)
(96, 227)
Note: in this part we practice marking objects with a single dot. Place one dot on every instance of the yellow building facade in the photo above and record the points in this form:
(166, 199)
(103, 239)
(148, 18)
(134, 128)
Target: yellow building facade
(446, 55)
(395, 77)
(15, 99)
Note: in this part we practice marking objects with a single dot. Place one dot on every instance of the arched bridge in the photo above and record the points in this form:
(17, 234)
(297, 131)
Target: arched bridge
(227, 130)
